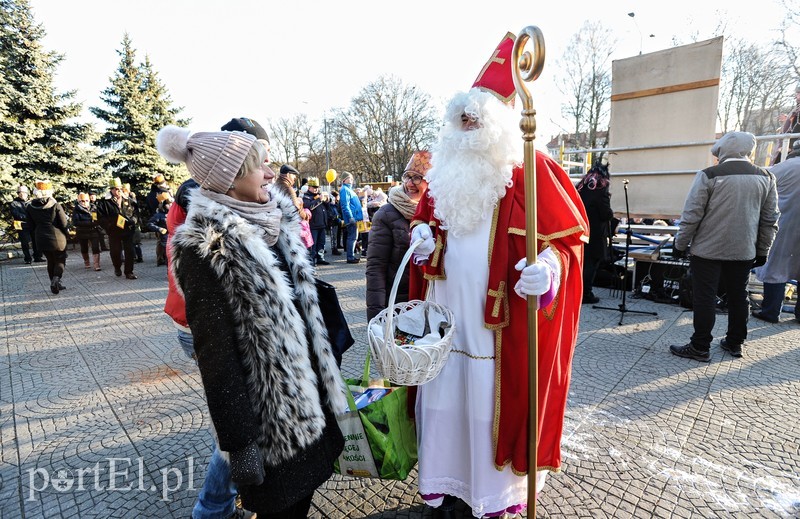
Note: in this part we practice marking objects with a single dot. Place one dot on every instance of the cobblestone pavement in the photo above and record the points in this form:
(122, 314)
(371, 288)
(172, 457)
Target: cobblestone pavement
(94, 383)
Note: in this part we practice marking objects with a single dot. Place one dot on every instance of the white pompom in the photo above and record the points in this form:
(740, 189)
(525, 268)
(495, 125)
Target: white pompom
(171, 143)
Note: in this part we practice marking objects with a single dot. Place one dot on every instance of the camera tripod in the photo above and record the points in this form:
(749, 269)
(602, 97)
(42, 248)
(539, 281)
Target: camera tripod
(621, 307)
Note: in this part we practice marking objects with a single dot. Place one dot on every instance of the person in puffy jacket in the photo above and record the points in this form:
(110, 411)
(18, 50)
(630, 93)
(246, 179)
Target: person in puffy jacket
(49, 226)
(390, 235)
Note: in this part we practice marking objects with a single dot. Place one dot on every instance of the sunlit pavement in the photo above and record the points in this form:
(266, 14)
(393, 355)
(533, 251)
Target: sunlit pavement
(102, 415)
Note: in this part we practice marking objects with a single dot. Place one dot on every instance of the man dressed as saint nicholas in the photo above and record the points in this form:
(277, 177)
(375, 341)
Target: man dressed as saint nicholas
(472, 419)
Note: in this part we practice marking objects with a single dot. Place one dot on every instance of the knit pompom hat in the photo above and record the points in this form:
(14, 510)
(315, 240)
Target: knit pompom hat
(213, 158)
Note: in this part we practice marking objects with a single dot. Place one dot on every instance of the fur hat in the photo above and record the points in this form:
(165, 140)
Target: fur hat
(734, 145)
(247, 125)
(313, 182)
(23, 189)
(115, 183)
(213, 158)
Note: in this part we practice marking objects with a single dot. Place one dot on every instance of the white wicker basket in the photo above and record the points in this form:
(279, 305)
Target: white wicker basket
(407, 364)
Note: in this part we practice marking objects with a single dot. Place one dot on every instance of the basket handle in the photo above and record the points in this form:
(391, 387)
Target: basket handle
(387, 335)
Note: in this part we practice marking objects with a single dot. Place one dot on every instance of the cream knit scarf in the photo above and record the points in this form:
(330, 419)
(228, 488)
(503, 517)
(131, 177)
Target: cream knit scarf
(267, 216)
(400, 200)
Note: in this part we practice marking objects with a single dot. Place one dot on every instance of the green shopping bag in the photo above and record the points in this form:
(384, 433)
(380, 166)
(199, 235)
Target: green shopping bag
(380, 439)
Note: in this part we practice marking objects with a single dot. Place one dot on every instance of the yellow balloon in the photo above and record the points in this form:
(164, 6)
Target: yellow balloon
(331, 175)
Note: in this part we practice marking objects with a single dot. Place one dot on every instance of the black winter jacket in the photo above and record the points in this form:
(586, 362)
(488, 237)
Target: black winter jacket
(319, 211)
(18, 213)
(598, 209)
(48, 223)
(108, 211)
(389, 240)
(85, 226)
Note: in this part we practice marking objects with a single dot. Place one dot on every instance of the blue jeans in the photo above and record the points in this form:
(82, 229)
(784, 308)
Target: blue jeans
(773, 301)
(350, 241)
(187, 343)
(318, 249)
(217, 498)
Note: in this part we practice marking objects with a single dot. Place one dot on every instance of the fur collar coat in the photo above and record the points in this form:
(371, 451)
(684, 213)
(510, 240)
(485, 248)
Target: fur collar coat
(279, 335)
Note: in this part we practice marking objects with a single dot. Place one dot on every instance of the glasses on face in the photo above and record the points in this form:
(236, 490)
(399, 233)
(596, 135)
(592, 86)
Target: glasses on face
(415, 179)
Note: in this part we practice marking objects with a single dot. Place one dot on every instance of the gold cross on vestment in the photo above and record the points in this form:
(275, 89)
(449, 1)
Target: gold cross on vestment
(494, 59)
(437, 251)
(498, 294)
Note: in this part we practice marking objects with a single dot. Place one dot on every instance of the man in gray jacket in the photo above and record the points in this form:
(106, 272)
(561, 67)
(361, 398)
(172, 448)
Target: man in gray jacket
(729, 219)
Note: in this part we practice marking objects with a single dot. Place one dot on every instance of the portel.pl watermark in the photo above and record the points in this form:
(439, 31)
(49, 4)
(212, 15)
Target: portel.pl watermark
(112, 475)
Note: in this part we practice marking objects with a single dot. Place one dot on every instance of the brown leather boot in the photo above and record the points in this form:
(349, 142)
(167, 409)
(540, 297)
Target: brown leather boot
(96, 262)
(86, 264)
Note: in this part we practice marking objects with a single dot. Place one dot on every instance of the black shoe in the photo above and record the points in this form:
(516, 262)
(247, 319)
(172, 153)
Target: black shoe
(443, 513)
(118, 272)
(336, 252)
(241, 513)
(354, 261)
(139, 260)
(131, 276)
(39, 260)
(27, 262)
(760, 315)
(734, 349)
(61, 287)
(687, 351)
(323, 262)
(589, 299)
(54, 285)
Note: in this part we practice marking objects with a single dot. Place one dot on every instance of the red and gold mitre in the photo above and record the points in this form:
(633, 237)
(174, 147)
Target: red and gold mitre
(496, 76)
(420, 162)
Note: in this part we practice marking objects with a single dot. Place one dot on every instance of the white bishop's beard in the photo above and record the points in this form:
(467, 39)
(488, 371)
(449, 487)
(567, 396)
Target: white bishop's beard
(469, 177)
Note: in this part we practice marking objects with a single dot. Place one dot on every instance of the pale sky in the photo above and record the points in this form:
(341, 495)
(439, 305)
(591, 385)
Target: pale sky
(266, 59)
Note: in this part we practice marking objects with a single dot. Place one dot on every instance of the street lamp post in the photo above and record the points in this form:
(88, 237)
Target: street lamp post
(633, 17)
(327, 154)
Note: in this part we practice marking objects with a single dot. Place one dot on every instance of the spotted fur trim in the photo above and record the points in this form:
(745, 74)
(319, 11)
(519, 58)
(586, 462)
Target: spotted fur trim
(271, 334)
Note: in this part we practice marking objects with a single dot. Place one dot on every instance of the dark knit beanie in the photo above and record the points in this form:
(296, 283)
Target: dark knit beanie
(247, 125)
(286, 169)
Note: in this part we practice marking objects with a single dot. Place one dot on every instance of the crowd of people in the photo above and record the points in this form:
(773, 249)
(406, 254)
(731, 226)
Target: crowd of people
(115, 217)
(242, 242)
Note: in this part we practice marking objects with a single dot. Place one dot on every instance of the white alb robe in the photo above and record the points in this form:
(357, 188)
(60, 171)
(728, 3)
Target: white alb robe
(455, 410)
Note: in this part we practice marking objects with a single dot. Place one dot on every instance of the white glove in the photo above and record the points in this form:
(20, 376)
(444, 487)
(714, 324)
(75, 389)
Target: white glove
(536, 279)
(426, 248)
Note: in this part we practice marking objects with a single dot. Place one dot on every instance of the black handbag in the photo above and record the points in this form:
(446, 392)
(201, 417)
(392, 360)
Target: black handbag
(338, 331)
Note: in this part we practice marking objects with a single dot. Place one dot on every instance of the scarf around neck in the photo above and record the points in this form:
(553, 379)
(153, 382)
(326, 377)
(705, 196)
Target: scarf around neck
(266, 216)
(401, 201)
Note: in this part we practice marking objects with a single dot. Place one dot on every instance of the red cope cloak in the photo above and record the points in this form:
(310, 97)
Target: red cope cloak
(562, 225)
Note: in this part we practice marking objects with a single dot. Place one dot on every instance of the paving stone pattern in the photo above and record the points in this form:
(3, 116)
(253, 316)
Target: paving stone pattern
(94, 384)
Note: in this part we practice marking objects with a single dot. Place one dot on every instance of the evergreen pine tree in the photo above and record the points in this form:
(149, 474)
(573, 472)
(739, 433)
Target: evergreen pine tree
(38, 135)
(138, 105)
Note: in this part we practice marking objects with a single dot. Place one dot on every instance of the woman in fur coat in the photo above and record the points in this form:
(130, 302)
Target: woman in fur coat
(270, 378)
